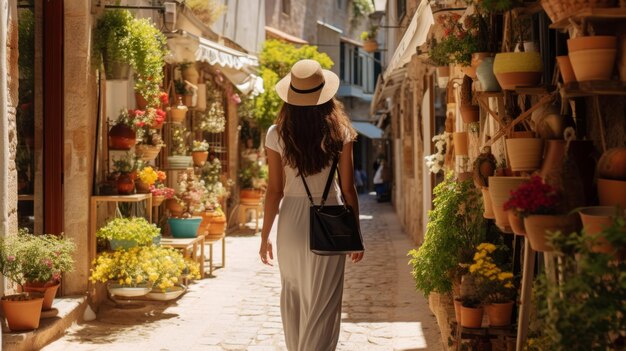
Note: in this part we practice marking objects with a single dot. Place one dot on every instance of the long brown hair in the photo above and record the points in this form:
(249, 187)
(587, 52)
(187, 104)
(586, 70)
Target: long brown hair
(313, 135)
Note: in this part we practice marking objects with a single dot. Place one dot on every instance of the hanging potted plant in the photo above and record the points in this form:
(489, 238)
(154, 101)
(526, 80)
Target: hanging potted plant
(540, 205)
(214, 119)
(525, 153)
(178, 112)
(112, 43)
(369, 39)
(125, 233)
(500, 190)
(121, 135)
(612, 177)
(148, 49)
(183, 93)
(150, 144)
(160, 193)
(36, 263)
(199, 152)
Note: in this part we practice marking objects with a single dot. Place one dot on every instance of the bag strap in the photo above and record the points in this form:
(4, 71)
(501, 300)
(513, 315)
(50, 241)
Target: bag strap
(326, 188)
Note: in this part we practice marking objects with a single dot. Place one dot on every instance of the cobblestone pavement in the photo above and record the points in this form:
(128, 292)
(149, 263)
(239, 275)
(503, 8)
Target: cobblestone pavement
(239, 308)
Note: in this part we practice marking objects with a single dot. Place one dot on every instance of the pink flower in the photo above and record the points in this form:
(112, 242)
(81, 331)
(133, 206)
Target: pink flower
(11, 258)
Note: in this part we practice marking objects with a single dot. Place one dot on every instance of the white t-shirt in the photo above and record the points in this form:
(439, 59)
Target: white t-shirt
(293, 183)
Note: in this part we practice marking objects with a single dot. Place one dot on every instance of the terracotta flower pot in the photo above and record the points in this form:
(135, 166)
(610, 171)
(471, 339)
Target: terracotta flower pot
(122, 137)
(22, 311)
(595, 42)
(457, 310)
(174, 207)
(471, 317)
(621, 63)
(250, 196)
(516, 222)
(470, 113)
(460, 143)
(612, 164)
(370, 45)
(199, 157)
(140, 102)
(537, 227)
(443, 76)
(49, 291)
(190, 73)
(517, 69)
(565, 66)
(612, 192)
(596, 64)
(500, 191)
(488, 205)
(595, 219)
(217, 227)
(499, 314)
(125, 184)
(141, 187)
(525, 154)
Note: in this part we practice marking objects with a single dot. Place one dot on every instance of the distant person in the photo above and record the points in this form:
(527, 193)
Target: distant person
(360, 179)
(381, 181)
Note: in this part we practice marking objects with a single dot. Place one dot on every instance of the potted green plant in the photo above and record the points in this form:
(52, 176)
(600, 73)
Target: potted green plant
(253, 181)
(36, 263)
(455, 227)
(148, 48)
(369, 39)
(496, 286)
(124, 233)
(112, 43)
(149, 144)
(170, 265)
(588, 299)
(199, 152)
(128, 273)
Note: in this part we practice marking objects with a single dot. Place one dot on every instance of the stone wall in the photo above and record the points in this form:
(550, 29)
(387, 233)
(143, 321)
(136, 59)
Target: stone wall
(80, 116)
(13, 84)
(302, 21)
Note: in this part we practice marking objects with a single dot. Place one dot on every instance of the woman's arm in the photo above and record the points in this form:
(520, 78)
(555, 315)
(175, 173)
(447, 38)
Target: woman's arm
(272, 199)
(346, 171)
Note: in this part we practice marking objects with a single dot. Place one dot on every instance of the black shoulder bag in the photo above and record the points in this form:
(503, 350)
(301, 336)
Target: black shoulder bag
(333, 229)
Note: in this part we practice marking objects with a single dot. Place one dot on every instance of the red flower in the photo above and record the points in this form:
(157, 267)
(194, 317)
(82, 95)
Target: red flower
(533, 197)
(164, 98)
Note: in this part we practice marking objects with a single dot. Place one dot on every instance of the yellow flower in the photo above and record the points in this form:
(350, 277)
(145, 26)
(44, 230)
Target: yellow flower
(508, 285)
(505, 275)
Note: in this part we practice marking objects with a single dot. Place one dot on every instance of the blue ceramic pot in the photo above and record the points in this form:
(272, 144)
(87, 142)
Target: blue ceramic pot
(485, 75)
(184, 227)
(122, 244)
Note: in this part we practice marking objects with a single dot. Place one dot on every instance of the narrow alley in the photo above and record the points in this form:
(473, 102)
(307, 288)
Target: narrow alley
(239, 308)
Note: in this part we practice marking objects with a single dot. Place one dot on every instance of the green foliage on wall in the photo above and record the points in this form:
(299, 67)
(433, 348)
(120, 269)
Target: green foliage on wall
(455, 227)
(276, 60)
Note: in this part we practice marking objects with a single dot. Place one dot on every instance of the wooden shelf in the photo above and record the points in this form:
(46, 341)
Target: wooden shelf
(593, 88)
(538, 90)
(25, 197)
(605, 14)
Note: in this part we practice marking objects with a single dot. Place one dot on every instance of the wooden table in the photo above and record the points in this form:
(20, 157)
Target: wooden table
(211, 242)
(189, 247)
(243, 211)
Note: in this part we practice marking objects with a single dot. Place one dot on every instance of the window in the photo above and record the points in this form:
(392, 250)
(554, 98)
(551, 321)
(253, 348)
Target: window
(357, 68)
(400, 9)
(285, 7)
(340, 4)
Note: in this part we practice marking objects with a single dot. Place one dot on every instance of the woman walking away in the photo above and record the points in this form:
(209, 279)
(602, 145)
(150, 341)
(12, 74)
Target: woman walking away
(310, 132)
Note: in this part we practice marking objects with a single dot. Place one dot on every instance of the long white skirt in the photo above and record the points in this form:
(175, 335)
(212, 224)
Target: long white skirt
(312, 285)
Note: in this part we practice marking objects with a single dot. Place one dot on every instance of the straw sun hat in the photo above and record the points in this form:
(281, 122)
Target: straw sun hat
(307, 84)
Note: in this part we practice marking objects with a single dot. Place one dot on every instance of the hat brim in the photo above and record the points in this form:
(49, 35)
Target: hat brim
(331, 85)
